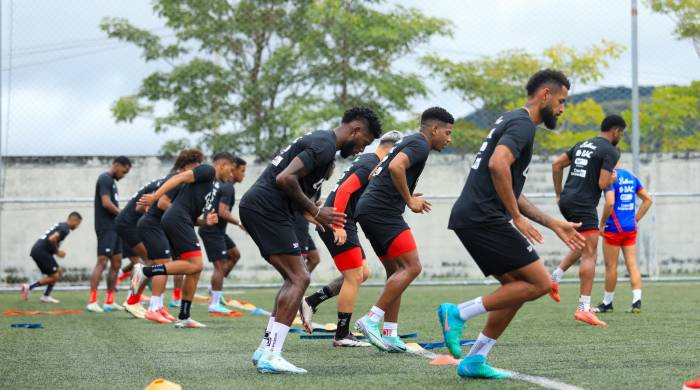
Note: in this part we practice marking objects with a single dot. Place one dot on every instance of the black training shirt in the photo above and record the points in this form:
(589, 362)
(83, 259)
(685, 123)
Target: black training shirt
(226, 195)
(587, 159)
(195, 199)
(359, 172)
(128, 215)
(63, 231)
(106, 185)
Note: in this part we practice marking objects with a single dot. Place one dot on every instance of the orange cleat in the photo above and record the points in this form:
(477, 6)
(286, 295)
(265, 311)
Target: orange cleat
(165, 314)
(554, 292)
(588, 317)
(693, 384)
(156, 317)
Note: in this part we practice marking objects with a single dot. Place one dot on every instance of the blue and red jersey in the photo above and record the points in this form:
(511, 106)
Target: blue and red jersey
(622, 217)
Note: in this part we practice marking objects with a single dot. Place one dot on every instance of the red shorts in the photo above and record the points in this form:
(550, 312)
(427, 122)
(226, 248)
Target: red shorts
(402, 244)
(621, 239)
(350, 259)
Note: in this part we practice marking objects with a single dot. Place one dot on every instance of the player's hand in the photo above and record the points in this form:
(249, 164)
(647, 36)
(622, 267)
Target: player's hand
(146, 200)
(419, 205)
(528, 230)
(212, 218)
(339, 236)
(327, 217)
(61, 253)
(601, 230)
(568, 234)
(240, 225)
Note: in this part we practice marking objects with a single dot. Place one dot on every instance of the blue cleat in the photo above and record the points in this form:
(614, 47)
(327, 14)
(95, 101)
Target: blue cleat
(394, 343)
(218, 308)
(452, 327)
(257, 354)
(475, 366)
(174, 303)
(274, 363)
(370, 329)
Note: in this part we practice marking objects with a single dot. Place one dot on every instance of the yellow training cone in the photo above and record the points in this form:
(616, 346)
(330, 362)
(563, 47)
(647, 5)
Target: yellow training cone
(162, 384)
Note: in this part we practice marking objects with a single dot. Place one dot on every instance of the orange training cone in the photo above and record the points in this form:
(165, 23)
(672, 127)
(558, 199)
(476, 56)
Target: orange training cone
(162, 384)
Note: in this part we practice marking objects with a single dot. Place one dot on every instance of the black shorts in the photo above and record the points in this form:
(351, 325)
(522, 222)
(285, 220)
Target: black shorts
(497, 249)
(44, 260)
(154, 238)
(108, 243)
(129, 235)
(271, 237)
(182, 236)
(381, 230)
(217, 245)
(352, 241)
(301, 230)
(587, 217)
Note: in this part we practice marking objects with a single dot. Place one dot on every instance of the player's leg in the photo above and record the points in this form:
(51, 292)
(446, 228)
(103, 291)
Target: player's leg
(189, 287)
(95, 278)
(310, 304)
(115, 264)
(177, 291)
(630, 253)
(221, 267)
(589, 255)
(570, 259)
(611, 253)
(313, 258)
(350, 288)
(233, 256)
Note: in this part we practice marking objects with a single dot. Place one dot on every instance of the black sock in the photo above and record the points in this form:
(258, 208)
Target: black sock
(49, 288)
(34, 285)
(184, 309)
(158, 269)
(343, 325)
(319, 296)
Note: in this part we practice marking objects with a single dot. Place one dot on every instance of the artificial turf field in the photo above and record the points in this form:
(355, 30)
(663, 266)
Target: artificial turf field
(657, 349)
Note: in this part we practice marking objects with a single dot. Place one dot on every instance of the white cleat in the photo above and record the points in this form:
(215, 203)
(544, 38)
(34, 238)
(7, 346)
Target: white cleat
(189, 323)
(350, 341)
(49, 299)
(274, 363)
(113, 307)
(306, 312)
(94, 307)
(257, 354)
(135, 310)
(138, 279)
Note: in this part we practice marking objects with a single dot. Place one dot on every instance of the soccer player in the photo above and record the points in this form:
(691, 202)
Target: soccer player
(592, 164)
(380, 214)
(344, 244)
(490, 218)
(221, 250)
(267, 213)
(196, 198)
(42, 253)
(618, 226)
(109, 245)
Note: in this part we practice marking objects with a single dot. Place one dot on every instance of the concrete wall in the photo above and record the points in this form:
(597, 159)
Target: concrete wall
(670, 232)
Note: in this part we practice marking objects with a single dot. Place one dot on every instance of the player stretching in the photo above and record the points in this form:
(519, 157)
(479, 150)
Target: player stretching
(344, 244)
(221, 250)
(490, 218)
(267, 213)
(109, 245)
(42, 253)
(592, 164)
(619, 229)
(380, 213)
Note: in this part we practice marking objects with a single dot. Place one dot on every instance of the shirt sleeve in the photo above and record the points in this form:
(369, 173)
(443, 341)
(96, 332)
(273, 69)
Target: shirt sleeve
(226, 194)
(610, 159)
(638, 184)
(416, 151)
(517, 136)
(203, 173)
(316, 155)
(104, 185)
(63, 231)
(570, 153)
(344, 192)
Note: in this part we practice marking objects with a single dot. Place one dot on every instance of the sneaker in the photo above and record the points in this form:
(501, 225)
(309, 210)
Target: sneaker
(135, 310)
(174, 304)
(603, 308)
(554, 292)
(475, 366)
(189, 323)
(218, 308)
(156, 317)
(25, 291)
(370, 329)
(274, 363)
(394, 343)
(113, 307)
(94, 307)
(588, 317)
(636, 307)
(452, 327)
(350, 341)
(138, 279)
(49, 299)
(165, 314)
(693, 384)
(257, 354)
(306, 312)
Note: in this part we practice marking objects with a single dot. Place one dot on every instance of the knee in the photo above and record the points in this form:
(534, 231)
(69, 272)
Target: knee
(302, 279)
(414, 270)
(355, 278)
(541, 287)
(365, 274)
(197, 267)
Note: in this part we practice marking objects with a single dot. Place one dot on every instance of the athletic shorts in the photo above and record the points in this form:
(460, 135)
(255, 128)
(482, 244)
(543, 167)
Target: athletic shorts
(390, 236)
(347, 256)
(217, 245)
(182, 237)
(129, 235)
(497, 249)
(44, 260)
(154, 238)
(621, 239)
(587, 217)
(271, 237)
(108, 243)
(301, 230)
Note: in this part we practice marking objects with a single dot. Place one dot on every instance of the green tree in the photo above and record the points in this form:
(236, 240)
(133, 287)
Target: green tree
(686, 14)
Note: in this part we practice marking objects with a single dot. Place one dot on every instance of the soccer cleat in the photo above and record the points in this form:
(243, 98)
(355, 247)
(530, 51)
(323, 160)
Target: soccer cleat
(475, 366)
(135, 310)
(554, 292)
(452, 327)
(218, 308)
(156, 317)
(49, 299)
(274, 363)
(370, 329)
(394, 344)
(350, 341)
(138, 279)
(165, 314)
(693, 384)
(174, 303)
(188, 323)
(588, 317)
(25, 291)
(603, 308)
(636, 307)
(257, 354)
(306, 312)
(94, 307)
(113, 307)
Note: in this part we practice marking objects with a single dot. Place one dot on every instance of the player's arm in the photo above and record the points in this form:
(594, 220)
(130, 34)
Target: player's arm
(107, 204)
(397, 171)
(53, 240)
(225, 214)
(646, 203)
(342, 195)
(172, 183)
(558, 166)
(565, 230)
(211, 218)
(607, 209)
(606, 179)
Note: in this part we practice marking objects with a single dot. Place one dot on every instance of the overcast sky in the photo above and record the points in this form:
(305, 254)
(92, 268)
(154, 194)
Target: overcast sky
(66, 74)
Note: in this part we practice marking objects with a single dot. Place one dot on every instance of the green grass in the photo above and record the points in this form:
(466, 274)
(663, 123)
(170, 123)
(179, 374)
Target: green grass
(657, 349)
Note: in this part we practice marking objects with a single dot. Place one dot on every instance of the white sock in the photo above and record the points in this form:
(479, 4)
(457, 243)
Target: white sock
(482, 346)
(277, 336)
(391, 329)
(215, 298)
(153, 304)
(160, 301)
(608, 297)
(584, 302)
(636, 295)
(375, 314)
(265, 342)
(557, 274)
(471, 308)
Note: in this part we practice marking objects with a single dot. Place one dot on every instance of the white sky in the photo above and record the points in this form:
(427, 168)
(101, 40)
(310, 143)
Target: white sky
(66, 74)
